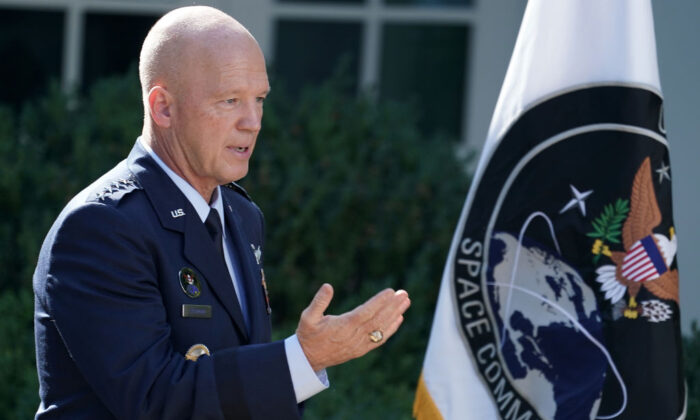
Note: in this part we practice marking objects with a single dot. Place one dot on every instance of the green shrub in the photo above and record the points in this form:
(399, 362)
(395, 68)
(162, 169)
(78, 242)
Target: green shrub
(18, 380)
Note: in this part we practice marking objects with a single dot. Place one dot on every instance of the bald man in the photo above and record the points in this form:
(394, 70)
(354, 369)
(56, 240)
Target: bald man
(150, 294)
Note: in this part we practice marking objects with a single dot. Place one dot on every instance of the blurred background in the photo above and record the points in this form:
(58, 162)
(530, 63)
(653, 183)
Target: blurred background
(378, 110)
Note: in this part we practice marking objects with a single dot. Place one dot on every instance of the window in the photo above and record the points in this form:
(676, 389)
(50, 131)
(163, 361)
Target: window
(404, 50)
(31, 44)
(309, 52)
(112, 43)
(426, 64)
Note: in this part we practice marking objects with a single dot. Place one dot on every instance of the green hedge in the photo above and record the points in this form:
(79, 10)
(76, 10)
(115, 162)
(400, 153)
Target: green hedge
(353, 195)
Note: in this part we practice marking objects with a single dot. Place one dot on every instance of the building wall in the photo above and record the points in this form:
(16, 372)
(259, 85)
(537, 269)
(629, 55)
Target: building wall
(677, 37)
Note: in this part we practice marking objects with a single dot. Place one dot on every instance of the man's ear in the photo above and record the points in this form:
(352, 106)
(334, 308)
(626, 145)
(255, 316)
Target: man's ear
(160, 103)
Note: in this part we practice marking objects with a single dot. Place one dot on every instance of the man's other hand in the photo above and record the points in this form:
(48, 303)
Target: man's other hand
(329, 340)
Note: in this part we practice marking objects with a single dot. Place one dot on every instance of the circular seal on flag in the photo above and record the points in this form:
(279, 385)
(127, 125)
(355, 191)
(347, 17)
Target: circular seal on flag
(566, 258)
(189, 282)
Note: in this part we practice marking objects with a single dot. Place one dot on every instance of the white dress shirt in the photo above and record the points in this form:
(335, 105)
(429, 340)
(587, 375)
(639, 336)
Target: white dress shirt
(307, 383)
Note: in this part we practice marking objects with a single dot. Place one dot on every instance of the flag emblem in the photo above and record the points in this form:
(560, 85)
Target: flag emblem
(644, 261)
(648, 257)
(559, 298)
(544, 321)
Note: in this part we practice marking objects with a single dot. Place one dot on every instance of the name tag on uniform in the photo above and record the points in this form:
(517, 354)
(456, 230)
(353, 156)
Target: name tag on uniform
(196, 311)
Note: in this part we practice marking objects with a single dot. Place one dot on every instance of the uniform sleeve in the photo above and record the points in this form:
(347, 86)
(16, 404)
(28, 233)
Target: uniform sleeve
(104, 297)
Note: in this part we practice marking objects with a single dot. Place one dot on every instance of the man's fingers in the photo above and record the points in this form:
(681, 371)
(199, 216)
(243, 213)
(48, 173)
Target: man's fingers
(392, 308)
(391, 329)
(401, 292)
(390, 317)
(320, 302)
(369, 309)
(387, 331)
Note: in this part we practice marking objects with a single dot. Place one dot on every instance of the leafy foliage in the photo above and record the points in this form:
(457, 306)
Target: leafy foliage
(608, 225)
(18, 380)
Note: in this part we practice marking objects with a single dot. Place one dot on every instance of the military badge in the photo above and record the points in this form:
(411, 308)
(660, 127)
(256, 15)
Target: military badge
(116, 186)
(257, 252)
(196, 311)
(189, 282)
(258, 258)
(196, 351)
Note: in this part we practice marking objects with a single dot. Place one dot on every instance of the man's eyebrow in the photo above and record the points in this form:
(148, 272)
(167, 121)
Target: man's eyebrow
(238, 91)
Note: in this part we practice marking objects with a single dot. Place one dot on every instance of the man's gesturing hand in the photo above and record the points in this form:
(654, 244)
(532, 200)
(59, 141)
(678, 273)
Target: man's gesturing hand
(329, 340)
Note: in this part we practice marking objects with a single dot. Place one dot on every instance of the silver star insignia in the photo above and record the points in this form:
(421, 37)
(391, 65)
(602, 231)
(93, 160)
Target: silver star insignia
(578, 199)
(663, 172)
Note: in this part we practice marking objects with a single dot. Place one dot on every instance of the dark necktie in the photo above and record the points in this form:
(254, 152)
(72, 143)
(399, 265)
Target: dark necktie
(213, 224)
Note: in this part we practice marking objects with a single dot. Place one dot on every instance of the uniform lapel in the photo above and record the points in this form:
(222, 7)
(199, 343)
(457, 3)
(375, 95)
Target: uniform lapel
(198, 247)
(201, 251)
(250, 270)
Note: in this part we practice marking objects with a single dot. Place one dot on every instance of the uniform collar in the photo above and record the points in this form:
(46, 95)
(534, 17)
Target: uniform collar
(196, 199)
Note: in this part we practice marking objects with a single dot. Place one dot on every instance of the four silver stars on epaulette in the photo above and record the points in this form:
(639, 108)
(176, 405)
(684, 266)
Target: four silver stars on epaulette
(115, 186)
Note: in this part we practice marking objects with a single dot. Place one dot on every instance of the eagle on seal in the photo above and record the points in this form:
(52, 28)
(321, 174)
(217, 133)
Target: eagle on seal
(648, 256)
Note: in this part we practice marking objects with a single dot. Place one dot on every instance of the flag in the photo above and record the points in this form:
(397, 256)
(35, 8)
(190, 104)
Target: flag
(559, 298)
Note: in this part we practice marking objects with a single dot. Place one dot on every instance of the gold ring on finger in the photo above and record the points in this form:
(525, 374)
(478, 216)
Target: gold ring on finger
(376, 336)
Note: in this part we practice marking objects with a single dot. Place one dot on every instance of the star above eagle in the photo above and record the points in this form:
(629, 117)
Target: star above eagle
(646, 261)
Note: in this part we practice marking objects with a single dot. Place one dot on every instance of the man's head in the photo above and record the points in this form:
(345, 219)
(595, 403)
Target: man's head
(203, 79)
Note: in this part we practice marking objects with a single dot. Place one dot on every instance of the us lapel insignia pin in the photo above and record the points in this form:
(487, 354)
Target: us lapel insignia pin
(177, 213)
(189, 282)
(196, 351)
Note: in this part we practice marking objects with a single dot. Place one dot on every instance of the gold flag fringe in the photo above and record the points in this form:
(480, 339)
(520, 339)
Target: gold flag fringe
(424, 407)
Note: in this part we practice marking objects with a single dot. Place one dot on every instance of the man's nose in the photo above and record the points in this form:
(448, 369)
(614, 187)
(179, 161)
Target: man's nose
(251, 118)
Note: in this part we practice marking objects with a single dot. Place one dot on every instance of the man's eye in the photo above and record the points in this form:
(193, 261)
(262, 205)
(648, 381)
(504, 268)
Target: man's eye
(231, 101)
(260, 99)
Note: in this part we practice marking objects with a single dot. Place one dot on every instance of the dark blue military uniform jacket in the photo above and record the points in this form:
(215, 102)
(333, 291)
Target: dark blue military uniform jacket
(110, 331)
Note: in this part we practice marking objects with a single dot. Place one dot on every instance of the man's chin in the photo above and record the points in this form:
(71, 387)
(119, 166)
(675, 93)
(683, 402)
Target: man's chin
(236, 175)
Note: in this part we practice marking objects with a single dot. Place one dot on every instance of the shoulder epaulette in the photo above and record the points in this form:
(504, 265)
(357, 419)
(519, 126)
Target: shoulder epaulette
(122, 185)
(240, 190)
